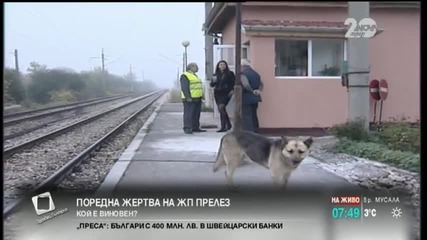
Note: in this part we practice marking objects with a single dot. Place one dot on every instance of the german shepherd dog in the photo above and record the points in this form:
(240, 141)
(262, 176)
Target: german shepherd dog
(281, 156)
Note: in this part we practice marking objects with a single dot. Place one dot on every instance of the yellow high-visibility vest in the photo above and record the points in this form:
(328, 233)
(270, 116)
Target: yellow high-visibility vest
(196, 88)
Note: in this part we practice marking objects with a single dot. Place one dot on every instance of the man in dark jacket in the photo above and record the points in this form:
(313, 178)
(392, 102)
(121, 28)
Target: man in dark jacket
(251, 96)
(192, 95)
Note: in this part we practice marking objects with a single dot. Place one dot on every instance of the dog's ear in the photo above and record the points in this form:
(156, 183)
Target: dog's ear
(285, 140)
(308, 142)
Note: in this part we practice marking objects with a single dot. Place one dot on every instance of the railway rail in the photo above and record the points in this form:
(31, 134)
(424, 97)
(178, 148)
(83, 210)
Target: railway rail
(28, 144)
(21, 132)
(15, 118)
(60, 174)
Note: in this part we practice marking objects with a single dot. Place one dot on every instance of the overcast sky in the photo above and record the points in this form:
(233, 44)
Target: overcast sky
(147, 36)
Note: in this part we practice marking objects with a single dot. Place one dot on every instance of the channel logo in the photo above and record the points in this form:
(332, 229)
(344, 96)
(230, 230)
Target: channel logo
(43, 203)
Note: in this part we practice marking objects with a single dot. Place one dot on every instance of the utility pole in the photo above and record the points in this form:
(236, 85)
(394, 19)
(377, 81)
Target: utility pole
(209, 65)
(102, 60)
(358, 69)
(238, 82)
(16, 61)
(131, 78)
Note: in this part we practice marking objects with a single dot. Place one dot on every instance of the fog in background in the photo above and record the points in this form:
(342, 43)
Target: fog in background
(146, 36)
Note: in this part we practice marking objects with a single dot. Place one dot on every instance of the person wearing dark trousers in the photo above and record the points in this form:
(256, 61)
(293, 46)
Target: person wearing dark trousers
(251, 96)
(223, 85)
(191, 95)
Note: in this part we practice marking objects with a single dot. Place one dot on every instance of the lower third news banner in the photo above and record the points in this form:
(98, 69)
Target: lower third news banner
(289, 215)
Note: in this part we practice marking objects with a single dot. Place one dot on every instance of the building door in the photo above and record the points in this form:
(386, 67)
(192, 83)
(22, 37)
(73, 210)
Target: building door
(227, 53)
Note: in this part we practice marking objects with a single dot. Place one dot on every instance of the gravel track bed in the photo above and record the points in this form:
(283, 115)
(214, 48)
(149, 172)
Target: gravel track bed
(50, 110)
(92, 172)
(36, 113)
(60, 124)
(23, 171)
(40, 112)
(26, 125)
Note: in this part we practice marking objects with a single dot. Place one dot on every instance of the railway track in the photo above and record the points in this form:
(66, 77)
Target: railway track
(28, 144)
(29, 130)
(55, 176)
(16, 118)
(20, 133)
(39, 110)
(16, 127)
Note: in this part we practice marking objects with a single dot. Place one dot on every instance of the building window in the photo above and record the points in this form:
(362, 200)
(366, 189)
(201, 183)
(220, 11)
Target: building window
(291, 58)
(309, 58)
(245, 54)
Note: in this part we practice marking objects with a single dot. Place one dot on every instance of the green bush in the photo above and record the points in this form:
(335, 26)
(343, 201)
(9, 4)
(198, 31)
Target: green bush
(44, 84)
(352, 130)
(206, 109)
(63, 96)
(378, 152)
(401, 136)
(13, 88)
(175, 96)
(396, 135)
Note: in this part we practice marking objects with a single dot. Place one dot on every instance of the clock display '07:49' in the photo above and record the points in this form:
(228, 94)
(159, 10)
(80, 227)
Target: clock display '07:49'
(346, 213)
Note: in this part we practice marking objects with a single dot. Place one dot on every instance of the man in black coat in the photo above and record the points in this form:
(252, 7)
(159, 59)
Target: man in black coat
(251, 96)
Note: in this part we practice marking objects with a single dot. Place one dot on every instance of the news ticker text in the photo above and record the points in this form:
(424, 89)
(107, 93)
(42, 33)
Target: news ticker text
(153, 202)
(142, 202)
(180, 225)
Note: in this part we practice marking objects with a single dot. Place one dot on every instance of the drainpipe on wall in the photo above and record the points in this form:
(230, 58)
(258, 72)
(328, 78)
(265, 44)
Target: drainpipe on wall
(208, 59)
(238, 84)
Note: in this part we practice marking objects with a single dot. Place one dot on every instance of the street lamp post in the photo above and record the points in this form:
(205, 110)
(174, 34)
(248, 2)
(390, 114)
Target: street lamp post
(185, 44)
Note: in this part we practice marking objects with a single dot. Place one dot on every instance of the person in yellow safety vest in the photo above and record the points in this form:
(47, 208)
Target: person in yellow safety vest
(192, 95)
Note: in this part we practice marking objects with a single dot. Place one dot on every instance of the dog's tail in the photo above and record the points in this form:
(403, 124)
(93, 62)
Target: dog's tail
(219, 161)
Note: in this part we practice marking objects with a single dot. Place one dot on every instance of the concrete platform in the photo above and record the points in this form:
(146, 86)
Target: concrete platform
(166, 157)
